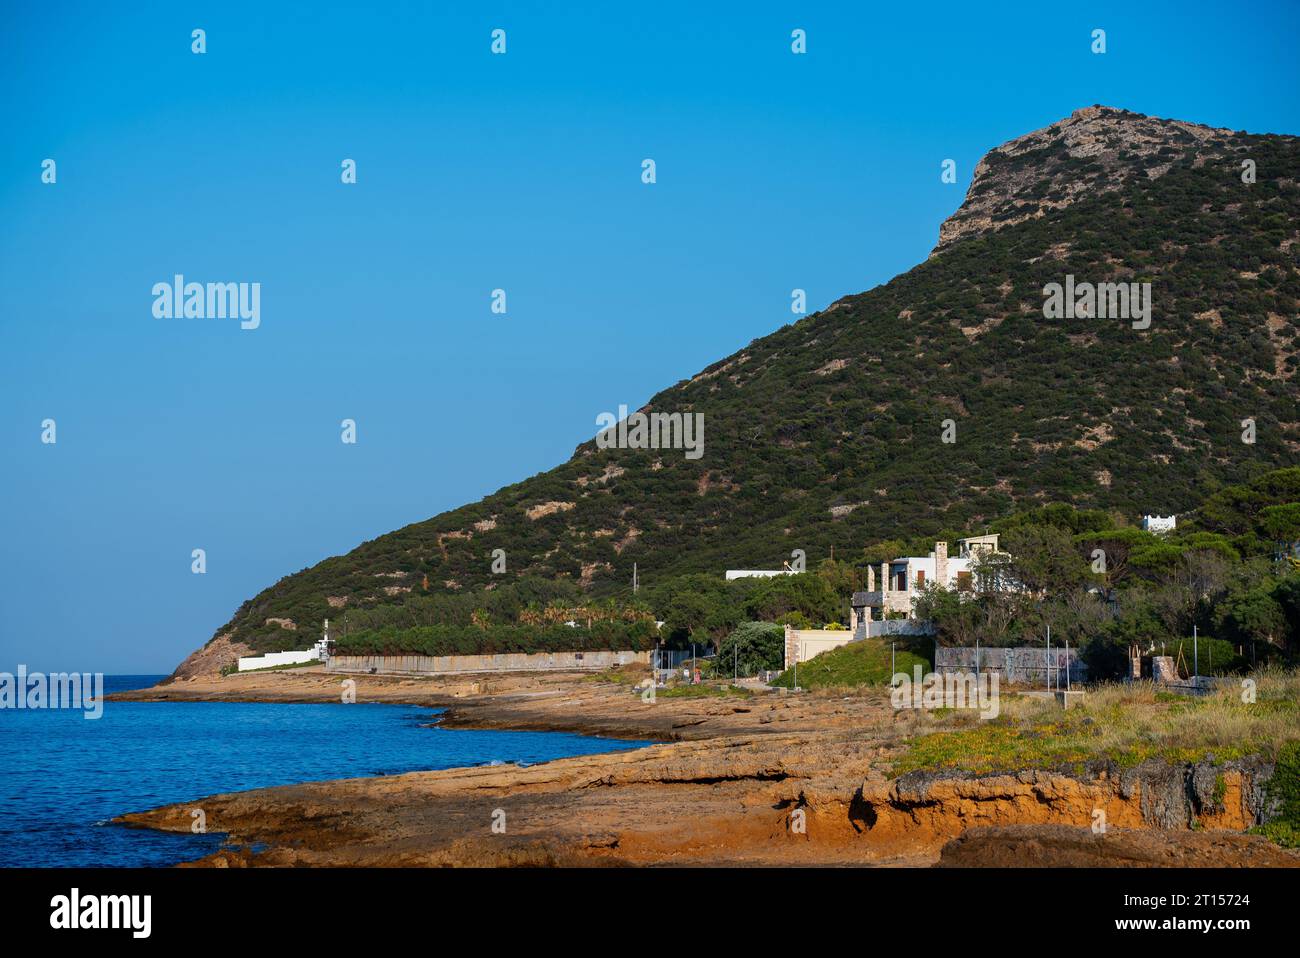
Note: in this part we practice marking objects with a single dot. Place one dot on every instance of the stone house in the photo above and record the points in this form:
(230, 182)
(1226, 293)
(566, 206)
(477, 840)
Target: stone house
(893, 587)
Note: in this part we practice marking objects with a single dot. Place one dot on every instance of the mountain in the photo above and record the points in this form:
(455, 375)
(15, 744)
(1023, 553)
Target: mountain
(829, 433)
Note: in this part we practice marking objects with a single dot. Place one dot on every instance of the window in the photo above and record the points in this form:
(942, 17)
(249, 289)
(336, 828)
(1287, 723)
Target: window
(963, 582)
(920, 579)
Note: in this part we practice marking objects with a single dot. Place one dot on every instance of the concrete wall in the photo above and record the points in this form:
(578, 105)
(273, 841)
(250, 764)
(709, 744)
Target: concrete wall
(899, 627)
(871, 628)
(504, 662)
(802, 644)
(249, 662)
(1029, 666)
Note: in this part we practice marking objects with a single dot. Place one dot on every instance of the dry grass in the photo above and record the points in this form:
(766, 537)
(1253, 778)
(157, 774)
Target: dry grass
(1126, 724)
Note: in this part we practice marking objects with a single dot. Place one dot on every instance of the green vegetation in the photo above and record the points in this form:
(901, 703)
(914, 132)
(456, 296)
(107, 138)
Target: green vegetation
(752, 647)
(851, 666)
(1105, 587)
(1284, 790)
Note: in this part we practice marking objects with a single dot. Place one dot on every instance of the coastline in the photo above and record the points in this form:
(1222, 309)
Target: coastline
(746, 765)
(574, 702)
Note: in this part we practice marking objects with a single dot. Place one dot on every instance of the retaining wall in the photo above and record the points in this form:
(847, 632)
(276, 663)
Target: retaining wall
(503, 662)
(1031, 666)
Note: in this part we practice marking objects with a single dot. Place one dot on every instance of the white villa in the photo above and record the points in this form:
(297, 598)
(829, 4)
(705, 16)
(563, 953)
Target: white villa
(887, 607)
(902, 580)
(1159, 524)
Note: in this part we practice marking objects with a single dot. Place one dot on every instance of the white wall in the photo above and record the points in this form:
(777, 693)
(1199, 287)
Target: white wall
(804, 644)
(247, 662)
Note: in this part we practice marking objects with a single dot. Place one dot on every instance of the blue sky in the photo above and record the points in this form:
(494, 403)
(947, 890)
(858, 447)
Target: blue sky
(475, 172)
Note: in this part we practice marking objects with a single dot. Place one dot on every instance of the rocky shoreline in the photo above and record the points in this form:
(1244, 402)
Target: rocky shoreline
(738, 779)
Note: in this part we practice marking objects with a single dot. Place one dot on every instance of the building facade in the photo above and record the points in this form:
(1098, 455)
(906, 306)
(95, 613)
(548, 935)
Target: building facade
(1159, 524)
(893, 587)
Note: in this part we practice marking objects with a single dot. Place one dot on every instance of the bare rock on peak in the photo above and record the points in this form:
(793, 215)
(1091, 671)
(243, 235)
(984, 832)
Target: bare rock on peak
(1094, 150)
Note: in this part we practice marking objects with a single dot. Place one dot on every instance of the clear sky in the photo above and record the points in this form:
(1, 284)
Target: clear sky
(475, 171)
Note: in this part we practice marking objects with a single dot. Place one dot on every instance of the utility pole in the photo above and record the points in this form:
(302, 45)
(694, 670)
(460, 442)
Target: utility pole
(1047, 662)
(634, 582)
(1196, 665)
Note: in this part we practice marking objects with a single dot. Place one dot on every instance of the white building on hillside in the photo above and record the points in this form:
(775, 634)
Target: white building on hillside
(1159, 524)
(902, 580)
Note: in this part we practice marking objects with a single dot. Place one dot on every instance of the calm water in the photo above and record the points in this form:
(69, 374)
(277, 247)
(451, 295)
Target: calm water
(62, 776)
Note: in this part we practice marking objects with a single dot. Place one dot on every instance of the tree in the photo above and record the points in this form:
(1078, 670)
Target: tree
(809, 594)
(956, 622)
(1045, 559)
(1116, 546)
(1287, 594)
(1281, 523)
(752, 647)
(1253, 616)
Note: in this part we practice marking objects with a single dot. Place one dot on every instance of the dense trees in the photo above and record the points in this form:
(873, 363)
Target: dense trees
(750, 648)
(1107, 589)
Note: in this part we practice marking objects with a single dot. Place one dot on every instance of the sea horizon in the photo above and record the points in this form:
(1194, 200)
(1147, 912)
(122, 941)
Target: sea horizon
(77, 774)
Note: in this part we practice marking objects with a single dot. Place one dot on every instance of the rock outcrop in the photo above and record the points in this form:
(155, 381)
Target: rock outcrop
(222, 652)
(1094, 150)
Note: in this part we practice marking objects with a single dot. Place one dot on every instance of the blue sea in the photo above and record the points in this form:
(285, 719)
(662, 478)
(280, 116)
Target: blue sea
(62, 777)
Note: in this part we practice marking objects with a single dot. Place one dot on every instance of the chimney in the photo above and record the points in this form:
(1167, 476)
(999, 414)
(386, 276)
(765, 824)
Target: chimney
(941, 564)
(884, 578)
(871, 578)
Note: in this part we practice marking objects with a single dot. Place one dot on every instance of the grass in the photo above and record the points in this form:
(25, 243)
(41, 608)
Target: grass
(283, 668)
(1284, 789)
(1127, 724)
(233, 669)
(851, 666)
(631, 674)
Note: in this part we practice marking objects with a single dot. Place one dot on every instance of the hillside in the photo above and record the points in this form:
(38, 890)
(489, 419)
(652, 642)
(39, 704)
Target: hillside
(827, 433)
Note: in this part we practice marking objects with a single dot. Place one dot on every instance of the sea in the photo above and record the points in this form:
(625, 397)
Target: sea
(63, 777)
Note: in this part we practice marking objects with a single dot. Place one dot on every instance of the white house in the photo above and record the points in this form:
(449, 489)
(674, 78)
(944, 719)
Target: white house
(756, 573)
(1159, 524)
(902, 580)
